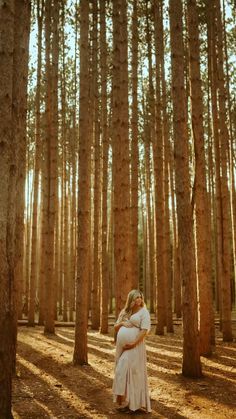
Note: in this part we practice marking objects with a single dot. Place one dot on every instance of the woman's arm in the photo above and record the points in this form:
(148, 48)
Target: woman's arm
(139, 339)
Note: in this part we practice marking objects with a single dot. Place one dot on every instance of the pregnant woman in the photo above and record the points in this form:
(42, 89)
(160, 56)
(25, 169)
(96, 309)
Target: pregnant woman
(130, 387)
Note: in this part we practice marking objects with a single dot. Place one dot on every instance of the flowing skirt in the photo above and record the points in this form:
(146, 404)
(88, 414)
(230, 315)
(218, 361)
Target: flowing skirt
(131, 371)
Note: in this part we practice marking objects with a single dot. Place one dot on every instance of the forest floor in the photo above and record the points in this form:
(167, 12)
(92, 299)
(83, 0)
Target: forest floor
(49, 386)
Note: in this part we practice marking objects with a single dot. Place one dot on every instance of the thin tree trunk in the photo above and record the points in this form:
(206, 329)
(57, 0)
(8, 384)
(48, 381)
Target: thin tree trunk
(212, 71)
(158, 157)
(13, 84)
(42, 251)
(225, 197)
(104, 281)
(231, 148)
(166, 152)
(37, 161)
(134, 151)
(51, 20)
(95, 309)
(191, 365)
(121, 158)
(200, 191)
(80, 350)
(7, 210)
(151, 138)
(176, 248)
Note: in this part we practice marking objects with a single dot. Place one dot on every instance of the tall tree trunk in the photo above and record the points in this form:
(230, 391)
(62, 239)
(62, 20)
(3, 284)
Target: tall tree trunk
(150, 271)
(37, 161)
(121, 158)
(158, 157)
(231, 148)
(104, 281)
(134, 151)
(21, 57)
(95, 309)
(51, 24)
(14, 32)
(20, 80)
(221, 142)
(7, 209)
(200, 191)
(65, 274)
(212, 203)
(151, 137)
(225, 197)
(166, 152)
(176, 247)
(80, 350)
(43, 233)
(191, 365)
(212, 72)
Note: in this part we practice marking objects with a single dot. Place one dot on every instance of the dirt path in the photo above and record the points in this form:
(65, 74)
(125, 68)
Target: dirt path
(49, 386)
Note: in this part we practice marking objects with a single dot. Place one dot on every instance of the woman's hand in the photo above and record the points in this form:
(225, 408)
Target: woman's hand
(139, 339)
(129, 346)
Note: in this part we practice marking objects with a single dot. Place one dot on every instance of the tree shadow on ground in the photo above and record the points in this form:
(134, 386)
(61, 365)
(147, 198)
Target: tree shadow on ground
(83, 382)
(91, 384)
(40, 400)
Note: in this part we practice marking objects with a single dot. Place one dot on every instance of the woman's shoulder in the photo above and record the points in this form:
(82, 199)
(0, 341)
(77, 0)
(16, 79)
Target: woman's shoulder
(144, 308)
(145, 311)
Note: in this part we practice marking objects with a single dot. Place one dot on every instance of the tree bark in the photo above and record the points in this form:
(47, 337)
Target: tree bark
(134, 151)
(14, 35)
(105, 145)
(95, 307)
(191, 365)
(37, 164)
(51, 24)
(80, 350)
(200, 192)
(121, 158)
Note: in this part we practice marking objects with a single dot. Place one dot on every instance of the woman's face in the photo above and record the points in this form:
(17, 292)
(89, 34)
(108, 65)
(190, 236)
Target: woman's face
(138, 301)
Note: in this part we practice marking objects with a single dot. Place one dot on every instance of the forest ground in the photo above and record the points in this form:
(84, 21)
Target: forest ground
(49, 386)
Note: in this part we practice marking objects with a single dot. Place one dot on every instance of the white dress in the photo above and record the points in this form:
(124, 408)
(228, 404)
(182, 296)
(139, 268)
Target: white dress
(131, 366)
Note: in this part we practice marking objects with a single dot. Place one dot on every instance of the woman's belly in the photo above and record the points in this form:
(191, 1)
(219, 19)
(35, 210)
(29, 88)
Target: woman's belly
(127, 335)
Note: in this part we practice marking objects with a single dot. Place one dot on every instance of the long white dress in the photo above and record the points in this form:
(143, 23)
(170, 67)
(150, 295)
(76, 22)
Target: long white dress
(130, 378)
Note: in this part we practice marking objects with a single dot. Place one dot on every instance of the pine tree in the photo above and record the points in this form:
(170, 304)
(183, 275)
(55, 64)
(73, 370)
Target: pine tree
(80, 350)
(191, 365)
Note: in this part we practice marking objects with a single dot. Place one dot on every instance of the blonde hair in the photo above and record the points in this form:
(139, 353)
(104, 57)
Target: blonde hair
(130, 301)
(127, 310)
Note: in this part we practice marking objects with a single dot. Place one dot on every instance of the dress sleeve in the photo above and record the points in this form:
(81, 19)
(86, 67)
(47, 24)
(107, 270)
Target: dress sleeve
(145, 320)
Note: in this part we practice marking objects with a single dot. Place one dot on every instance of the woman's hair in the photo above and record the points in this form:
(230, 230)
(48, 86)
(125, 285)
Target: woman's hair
(133, 294)
(127, 310)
